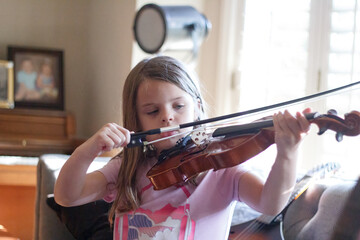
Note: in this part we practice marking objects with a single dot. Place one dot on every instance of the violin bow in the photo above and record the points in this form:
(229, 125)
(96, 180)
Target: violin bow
(136, 138)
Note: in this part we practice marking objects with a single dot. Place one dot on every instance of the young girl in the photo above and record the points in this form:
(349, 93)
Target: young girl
(26, 82)
(46, 81)
(159, 92)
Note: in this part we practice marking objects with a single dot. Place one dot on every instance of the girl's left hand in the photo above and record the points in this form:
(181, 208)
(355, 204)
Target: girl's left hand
(289, 131)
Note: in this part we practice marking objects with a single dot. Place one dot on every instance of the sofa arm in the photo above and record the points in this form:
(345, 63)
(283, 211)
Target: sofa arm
(47, 223)
(314, 214)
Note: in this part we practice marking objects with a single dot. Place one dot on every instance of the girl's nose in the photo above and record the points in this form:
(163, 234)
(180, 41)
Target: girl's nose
(167, 117)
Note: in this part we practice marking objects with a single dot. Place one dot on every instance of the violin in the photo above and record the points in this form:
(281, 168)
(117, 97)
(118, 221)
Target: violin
(233, 145)
(137, 139)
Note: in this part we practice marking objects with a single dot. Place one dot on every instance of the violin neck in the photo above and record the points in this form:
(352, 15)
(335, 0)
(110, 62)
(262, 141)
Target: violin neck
(250, 128)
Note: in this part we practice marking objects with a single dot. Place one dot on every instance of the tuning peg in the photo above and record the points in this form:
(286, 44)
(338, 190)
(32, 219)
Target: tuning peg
(339, 136)
(322, 130)
(332, 112)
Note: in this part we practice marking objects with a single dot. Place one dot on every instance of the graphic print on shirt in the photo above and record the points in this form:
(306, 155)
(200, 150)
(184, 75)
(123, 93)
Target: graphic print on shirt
(167, 223)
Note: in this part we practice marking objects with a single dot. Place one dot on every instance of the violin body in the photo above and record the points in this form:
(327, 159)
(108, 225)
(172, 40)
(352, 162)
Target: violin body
(233, 149)
(217, 154)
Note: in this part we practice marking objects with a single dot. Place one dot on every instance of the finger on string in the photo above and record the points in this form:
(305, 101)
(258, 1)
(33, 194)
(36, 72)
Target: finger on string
(278, 122)
(307, 110)
(292, 123)
(303, 122)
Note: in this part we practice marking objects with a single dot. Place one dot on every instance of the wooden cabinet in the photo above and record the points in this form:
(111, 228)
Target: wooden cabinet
(27, 132)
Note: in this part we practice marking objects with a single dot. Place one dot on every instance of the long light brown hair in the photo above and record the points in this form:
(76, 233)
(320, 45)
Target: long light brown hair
(157, 68)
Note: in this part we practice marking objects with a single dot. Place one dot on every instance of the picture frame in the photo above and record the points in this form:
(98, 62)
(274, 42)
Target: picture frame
(38, 77)
(6, 84)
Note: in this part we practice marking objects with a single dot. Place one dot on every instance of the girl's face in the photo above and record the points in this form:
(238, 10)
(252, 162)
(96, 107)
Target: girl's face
(162, 104)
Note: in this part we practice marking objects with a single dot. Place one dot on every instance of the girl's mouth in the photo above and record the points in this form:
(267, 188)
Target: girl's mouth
(168, 134)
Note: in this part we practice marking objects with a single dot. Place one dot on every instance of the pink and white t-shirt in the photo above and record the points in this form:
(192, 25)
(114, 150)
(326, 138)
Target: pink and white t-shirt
(186, 212)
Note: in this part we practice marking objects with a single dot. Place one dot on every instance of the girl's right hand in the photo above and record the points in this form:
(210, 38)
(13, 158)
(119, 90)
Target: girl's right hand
(110, 136)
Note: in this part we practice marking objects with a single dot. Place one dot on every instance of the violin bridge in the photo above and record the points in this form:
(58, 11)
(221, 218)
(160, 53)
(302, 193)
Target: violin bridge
(198, 137)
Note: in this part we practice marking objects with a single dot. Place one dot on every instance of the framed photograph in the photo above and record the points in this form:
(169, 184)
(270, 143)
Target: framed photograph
(38, 77)
(6, 84)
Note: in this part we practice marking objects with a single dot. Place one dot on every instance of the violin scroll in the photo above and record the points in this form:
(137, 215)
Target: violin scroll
(349, 126)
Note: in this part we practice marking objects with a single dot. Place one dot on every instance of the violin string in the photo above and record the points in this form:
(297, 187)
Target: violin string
(205, 127)
(201, 128)
(168, 137)
(237, 118)
(252, 112)
(270, 107)
(253, 227)
(244, 233)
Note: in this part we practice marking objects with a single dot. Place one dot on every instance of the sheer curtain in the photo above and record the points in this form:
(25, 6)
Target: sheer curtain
(292, 48)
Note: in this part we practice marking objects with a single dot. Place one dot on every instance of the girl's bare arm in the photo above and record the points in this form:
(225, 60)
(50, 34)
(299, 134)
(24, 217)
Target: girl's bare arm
(73, 185)
(271, 197)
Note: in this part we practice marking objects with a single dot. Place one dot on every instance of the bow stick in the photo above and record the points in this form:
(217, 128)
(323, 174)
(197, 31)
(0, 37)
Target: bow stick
(136, 138)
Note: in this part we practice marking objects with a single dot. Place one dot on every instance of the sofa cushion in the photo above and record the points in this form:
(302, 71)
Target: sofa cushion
(89, 221)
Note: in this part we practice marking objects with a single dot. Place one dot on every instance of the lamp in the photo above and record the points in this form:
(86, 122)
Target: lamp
(160, 28)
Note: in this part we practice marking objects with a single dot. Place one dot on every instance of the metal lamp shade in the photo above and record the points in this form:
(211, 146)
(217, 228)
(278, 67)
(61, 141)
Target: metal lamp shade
(159, 28)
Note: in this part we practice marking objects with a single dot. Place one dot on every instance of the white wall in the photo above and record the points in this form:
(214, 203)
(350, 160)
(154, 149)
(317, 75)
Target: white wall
(110, 49)
(97, 40)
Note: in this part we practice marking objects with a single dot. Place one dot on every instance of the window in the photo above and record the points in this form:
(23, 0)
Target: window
(274, 54)
(292, 48)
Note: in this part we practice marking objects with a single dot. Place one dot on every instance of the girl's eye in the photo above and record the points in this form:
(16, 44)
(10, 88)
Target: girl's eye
(152, 112)
(179, 106)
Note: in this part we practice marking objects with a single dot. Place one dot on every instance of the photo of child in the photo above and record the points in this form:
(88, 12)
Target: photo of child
(38, 79)
(26, 81)
(45, 81)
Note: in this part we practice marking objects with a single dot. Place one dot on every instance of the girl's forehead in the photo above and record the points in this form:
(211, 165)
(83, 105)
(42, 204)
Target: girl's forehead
(154, 89)
(157, 85)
